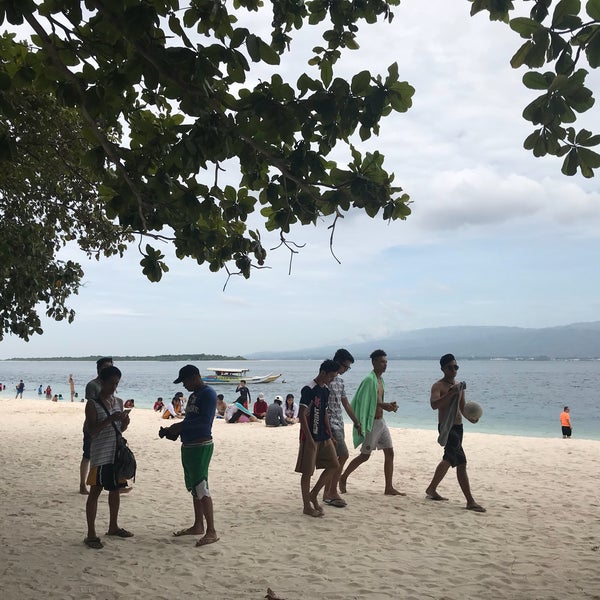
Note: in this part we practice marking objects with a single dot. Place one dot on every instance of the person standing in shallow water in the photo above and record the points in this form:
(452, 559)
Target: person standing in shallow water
(443, 393)
(71, 386)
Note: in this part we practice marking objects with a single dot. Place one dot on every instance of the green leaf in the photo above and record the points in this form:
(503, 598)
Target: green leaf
(520, 56)
(361, 83)
(592, 8)
(570, 163)
(563, 9)
(535, 81)
(525, 27)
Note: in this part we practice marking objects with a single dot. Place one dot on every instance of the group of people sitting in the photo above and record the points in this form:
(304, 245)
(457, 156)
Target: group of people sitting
(274, 415)
(277, 414)
(173, 410)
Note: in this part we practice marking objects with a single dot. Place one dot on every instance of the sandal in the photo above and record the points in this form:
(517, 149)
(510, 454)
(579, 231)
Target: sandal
(94, 543)
(122, 533)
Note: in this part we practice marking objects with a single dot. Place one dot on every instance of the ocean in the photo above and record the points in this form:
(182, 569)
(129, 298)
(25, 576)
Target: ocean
(518, 397)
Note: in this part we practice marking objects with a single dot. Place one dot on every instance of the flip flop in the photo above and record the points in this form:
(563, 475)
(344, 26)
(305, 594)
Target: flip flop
(337, 502)
(186, 532)
(436, 498)
(94, 543)
(476, 508)
(205, 541)
(122, 533)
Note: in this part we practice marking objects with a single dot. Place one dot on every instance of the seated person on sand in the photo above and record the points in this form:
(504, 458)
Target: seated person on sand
(221, 407)
(173, 409)
(55, 398)
(238, 413)
(159, 405)
(260, 407)
(291, 409)
(274, 416)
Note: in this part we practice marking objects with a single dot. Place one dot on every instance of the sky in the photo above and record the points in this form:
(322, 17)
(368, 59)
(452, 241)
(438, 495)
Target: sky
(497, 237)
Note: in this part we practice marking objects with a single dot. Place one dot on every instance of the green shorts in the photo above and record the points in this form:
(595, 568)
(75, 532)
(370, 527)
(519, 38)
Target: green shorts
(195, 460)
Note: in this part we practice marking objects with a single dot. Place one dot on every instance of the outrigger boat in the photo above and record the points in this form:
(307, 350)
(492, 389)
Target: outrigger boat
(228, 375)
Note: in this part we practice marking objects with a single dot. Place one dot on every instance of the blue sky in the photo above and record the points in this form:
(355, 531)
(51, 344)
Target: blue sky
(497, 237)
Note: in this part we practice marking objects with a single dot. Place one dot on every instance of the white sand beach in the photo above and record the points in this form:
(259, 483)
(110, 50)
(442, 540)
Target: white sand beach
(540, 538)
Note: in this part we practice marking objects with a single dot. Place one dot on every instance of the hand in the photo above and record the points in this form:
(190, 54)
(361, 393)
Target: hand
(394, 406)
(116, 416)
(358, 428)
(472, 420)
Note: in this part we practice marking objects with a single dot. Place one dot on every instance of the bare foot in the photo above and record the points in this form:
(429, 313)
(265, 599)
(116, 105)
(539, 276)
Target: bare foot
(393, 492)
(312, 512)
(207, 539)
(84, 491)
(189, 531)
(315, 502)
(475, 508)
(433, 495)
(342, 485)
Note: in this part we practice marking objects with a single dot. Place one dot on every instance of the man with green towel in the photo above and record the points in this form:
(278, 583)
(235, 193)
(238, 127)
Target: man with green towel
(368, 406)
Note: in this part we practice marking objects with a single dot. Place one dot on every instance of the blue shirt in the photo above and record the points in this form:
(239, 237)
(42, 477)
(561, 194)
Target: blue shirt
(199, 414)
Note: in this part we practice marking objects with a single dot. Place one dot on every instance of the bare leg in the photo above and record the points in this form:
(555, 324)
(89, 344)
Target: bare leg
(354, 464)
(465, 486)
(198, 527)
(439, 474)
(83, 472)
(388, 471)
(323, 481)
(91, 508)
(114, 502)
(210, 537)
(306, 497)
(331, 489)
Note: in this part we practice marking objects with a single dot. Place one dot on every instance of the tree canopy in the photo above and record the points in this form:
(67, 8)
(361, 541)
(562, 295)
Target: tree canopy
(564, 35)
(140, 106)
(172, 76)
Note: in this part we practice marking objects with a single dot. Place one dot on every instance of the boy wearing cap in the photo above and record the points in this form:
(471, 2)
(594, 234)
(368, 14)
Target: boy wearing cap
(196, 450)
(316, 448)
(260, 407)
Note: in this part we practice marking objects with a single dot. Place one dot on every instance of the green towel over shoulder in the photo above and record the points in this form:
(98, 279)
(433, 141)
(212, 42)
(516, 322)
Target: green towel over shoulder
(364, 404)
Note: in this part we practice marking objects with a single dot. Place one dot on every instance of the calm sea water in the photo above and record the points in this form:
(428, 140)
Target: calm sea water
(518, 397)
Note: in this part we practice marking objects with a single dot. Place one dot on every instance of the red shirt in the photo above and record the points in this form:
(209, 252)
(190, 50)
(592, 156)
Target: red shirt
(260, 407)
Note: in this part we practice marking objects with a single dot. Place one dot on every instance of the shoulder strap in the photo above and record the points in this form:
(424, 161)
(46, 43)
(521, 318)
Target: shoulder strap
(108, 415)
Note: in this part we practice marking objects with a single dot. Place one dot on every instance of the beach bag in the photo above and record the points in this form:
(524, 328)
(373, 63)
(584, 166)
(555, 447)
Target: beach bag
(125, 463)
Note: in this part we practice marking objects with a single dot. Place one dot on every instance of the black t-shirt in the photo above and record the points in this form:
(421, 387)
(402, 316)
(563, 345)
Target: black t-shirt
(315, 397)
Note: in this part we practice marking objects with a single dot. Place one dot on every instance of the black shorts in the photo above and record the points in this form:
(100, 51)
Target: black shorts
(453, 450)
(566, 431)
(87, 444)
(104, 476)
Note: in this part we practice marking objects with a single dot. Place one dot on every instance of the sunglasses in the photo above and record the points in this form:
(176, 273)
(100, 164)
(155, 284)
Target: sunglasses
(453, 367)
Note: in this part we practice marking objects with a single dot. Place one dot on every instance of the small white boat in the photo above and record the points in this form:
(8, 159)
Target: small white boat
(228, 375)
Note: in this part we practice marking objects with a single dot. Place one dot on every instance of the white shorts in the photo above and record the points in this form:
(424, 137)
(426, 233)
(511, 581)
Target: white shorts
(378, 438)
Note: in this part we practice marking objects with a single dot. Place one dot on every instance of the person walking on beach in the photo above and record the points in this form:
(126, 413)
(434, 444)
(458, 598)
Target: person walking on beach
(20, 388)
(71, 386)
(195, 432)
(316, 448)
(565, 422)
(102, 416)
(92, 392)
(447, 396)
(338, 401)
(368, 406)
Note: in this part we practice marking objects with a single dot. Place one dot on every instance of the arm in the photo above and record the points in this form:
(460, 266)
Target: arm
(439, 400)
(351, 414)
(303, 416)
(91, 419)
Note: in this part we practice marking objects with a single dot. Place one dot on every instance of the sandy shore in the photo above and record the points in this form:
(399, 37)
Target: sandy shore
(539, 539)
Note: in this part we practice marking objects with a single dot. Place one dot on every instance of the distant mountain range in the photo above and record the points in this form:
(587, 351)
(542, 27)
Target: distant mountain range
(578, 340)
